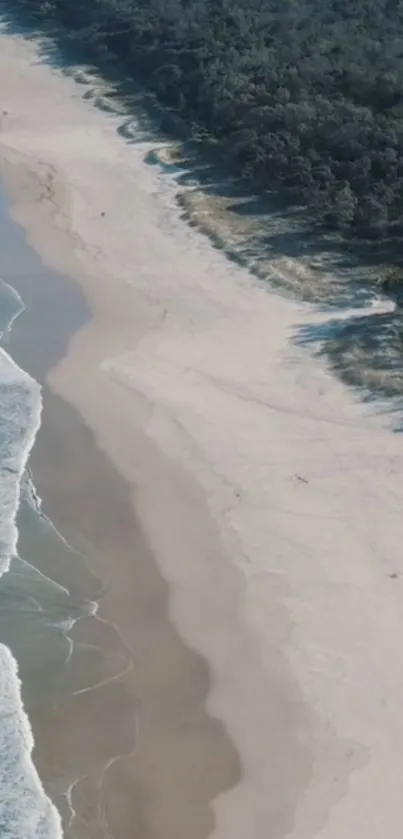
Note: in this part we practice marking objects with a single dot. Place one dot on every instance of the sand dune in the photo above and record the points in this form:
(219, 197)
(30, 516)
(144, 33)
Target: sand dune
(271, 497)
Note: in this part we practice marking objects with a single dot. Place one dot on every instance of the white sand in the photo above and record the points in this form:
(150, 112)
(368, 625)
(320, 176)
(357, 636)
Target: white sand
(288, 594)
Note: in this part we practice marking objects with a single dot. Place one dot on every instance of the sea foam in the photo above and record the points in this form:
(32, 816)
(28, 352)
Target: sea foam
(25, 810)
(20, 411)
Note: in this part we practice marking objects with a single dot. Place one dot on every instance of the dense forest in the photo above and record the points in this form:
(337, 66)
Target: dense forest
(302, 95)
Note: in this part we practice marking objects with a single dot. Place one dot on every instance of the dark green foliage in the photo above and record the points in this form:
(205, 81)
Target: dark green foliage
(304, 95)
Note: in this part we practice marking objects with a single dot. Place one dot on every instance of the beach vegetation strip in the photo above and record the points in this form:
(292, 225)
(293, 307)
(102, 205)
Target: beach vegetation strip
(304, 97)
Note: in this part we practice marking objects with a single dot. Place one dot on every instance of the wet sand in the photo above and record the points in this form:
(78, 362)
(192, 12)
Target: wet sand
(178, 757)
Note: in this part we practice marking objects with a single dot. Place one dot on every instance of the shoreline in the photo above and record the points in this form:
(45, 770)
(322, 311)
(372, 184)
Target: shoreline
(37, 193)
(68, 470)
(228, 640)
(269, 496)
(21, 408)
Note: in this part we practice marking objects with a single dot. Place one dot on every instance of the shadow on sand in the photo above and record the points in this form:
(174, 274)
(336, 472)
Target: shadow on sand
(279, 245)
(365, 351)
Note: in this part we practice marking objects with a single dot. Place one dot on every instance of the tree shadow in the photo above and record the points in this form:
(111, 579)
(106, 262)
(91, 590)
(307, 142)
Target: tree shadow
(278, 242)
(365, 351)
(258, 228)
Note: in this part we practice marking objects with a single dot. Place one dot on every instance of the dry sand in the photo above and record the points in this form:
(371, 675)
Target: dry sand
(270, 497)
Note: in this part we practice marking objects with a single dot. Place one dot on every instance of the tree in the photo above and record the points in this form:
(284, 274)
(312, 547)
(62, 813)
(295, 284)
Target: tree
(342, 212)
(305, 96)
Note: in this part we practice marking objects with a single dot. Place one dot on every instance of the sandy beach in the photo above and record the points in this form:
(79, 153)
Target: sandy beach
(241, 506)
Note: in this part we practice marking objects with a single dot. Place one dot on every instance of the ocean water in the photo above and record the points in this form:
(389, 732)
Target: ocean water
(26, 812)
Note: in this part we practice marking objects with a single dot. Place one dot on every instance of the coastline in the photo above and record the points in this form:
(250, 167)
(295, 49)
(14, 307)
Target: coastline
(20, 419)
(254, 530)
(118, 688)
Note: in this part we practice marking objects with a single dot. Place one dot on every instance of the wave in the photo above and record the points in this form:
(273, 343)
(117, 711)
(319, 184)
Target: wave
(26, 812)
(12, 305)
(20, 413)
